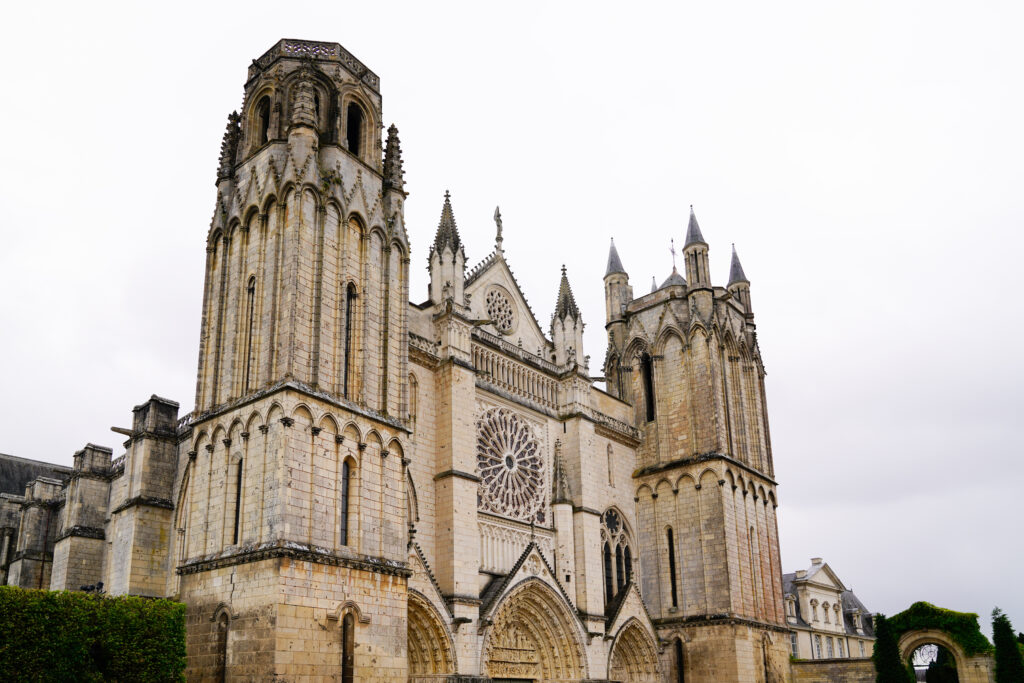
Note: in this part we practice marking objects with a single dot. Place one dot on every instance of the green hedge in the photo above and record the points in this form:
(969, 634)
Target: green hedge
(64, 636)
(962, 627)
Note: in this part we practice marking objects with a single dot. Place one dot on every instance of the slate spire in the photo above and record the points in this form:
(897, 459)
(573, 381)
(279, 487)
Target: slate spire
(447, 232)
(393, 173)
(566, 304)
(614, 263)
(736, 269)
(693, 235)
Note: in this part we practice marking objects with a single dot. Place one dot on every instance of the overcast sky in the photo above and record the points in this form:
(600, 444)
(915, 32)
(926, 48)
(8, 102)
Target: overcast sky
(866, 158)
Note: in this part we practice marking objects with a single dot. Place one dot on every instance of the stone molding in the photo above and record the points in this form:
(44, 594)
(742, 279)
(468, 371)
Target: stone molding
(296, 551)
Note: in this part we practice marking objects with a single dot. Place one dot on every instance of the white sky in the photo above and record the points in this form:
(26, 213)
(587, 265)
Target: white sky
(866, 159)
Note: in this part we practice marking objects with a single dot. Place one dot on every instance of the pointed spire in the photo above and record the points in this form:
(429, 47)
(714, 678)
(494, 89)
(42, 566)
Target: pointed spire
(229, 146)
(566, 305)
(654, 285)
(693, 231)
(614, 263)
(447, 232)
(393, 173)
(560, 484)
(736, 269)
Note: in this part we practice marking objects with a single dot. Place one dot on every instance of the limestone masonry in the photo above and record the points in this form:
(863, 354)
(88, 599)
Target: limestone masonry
(376, 490)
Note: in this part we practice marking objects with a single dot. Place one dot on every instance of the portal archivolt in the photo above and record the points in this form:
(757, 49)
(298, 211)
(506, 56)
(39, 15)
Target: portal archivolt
(634, 659)
(533, 636)
(430, 648)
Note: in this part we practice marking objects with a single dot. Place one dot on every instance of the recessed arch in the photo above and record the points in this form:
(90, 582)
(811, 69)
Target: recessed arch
(430, 649)
(633, 657)
(532, 624)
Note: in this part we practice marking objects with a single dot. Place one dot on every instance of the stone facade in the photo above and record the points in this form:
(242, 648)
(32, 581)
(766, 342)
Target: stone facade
(370, 489)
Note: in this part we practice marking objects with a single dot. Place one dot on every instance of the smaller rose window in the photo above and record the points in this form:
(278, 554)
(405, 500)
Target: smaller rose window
(500, 311)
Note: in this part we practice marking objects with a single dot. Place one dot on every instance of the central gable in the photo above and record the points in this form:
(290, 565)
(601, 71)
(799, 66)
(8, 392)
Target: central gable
(495, 295)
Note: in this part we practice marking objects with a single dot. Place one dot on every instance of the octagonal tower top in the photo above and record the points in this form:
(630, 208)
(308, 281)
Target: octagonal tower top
(290, 48)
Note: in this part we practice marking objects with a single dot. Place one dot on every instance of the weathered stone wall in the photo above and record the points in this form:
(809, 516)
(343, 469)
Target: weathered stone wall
(833, 671)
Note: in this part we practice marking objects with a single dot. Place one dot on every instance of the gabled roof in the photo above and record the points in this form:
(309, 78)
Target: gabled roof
(498, 260)
(497, 586)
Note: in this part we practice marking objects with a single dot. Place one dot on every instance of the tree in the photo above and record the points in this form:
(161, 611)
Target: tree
(1009, 662)
(889, 666)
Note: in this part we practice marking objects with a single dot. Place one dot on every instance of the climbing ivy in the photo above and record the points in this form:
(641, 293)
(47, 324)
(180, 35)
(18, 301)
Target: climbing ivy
(64, 636)
(962, 627)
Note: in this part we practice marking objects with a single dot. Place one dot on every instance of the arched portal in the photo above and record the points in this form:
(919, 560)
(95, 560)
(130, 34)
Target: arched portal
(634, 658)
(533, 637)
(911, 641)
(430, 648)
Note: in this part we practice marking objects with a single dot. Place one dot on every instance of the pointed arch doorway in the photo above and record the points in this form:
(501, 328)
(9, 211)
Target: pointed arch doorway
(533, 638)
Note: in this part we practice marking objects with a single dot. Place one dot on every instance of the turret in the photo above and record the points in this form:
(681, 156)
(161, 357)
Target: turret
(447, 259)
(739, 285)
(567, 326)
(617, 292)
(695, 254)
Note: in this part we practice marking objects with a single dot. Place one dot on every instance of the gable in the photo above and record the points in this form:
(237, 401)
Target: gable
(495, 295)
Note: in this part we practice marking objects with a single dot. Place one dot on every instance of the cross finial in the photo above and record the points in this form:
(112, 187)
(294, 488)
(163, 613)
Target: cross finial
(497, 221)
(672, 249)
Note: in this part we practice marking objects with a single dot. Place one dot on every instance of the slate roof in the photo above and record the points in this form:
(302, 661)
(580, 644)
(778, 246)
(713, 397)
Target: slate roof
(16, 473)
(614, 263)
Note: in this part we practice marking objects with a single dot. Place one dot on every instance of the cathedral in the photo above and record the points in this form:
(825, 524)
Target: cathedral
(371, 489)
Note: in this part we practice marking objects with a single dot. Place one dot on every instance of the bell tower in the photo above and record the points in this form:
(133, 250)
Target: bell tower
(292, 471)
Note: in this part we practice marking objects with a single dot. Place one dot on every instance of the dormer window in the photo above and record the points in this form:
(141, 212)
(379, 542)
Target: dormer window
(354, 128)
(814, 610)
(824, 609)
(856, 619)
(790, 607)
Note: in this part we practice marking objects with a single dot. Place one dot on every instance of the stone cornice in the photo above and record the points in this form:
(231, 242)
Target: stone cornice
(706, 457)
(295, 551)
(79, 531)
(146, 501)
(458, 474)
(718, 619)
(303, 389)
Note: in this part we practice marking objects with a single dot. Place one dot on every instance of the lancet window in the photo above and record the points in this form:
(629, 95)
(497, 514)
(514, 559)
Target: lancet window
(618, 553)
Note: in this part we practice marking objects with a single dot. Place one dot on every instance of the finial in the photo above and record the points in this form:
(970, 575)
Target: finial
(393, 173)
(672, 249)
(447, 194)
(497, 221)
(654, 285)
(566, 304)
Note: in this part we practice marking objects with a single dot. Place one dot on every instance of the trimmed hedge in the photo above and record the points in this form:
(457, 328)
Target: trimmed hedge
(962, 627)
(65, 636)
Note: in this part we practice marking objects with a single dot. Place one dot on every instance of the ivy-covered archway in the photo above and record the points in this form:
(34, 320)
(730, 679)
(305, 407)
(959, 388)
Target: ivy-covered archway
(958, 632)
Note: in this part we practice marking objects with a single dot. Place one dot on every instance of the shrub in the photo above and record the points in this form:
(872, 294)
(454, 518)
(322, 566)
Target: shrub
(962, 627)
(64, 636)
(1009, 663)
(889, 666)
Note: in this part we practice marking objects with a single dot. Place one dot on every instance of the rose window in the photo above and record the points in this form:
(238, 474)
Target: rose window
(499, 310)
(510, 466)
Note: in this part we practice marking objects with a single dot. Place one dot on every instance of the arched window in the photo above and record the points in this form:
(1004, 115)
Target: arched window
(346, 477)
(238, 501)
(628, 558)
(350, 300)
(647, 371)
(814, 610)
(824, 610)
(680, 669)
(222, 647)
(250, 312)
(316, 107)
(817, 647)
(608, 585)
(828, 648)
(620, 570)
(263, 120)
(839, 643)
(348, 638)
(672, 566)
(354, 128)
(611, 480)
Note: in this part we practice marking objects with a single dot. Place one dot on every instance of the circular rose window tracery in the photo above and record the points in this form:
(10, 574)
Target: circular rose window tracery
(510, 465)
(499, 310)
